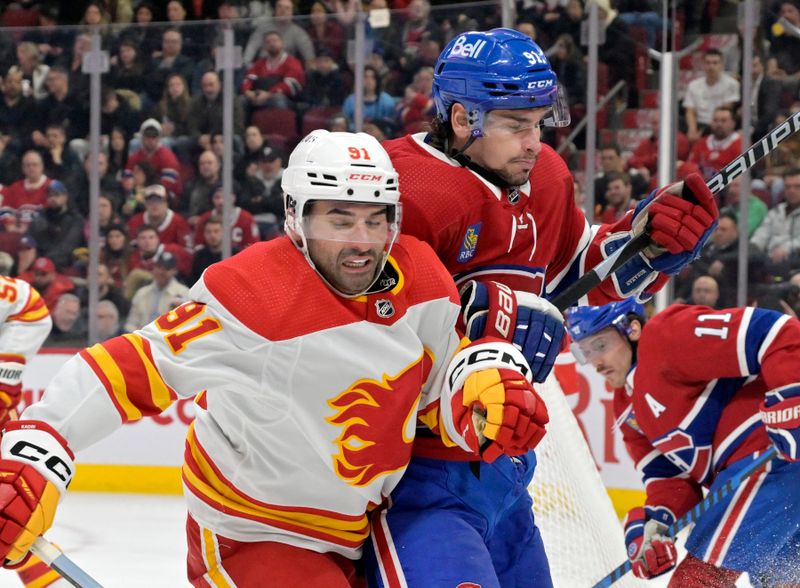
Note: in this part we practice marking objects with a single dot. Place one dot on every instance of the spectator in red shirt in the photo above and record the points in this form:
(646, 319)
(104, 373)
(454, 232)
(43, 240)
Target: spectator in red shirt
(244, 230)
(50, 284)
(172, 227)
(31, 191)
(160, 157)
(275, 80)
(723, 145)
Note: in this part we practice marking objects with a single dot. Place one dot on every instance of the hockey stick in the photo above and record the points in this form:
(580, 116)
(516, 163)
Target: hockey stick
(734, 169)
(69, 570)
(701, 507)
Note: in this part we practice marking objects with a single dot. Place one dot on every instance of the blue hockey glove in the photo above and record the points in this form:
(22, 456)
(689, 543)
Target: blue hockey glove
(780, 412)
(530, 323)
(680, 218)
(651, 551)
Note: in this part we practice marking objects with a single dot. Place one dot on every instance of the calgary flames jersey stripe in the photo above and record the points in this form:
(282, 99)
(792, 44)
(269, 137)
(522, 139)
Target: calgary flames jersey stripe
(104, 366)
(131, 379)
(12, 357)
(203, 481)
(34, 310)
(161, 395)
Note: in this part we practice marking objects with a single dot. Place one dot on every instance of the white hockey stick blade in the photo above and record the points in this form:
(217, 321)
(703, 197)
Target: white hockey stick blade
(69, 570)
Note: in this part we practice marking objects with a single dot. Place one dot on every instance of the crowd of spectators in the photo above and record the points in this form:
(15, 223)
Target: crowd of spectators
(160, 204)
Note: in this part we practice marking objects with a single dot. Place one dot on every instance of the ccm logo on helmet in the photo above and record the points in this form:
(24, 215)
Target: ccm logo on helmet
(463, 49)
(540, 84)
(365, 177)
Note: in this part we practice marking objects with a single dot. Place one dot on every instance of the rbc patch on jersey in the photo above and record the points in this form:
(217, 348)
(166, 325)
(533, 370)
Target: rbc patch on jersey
(469, 244)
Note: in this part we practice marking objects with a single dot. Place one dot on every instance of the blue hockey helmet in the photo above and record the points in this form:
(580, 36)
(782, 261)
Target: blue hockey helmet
(585, 321)
(498, 69)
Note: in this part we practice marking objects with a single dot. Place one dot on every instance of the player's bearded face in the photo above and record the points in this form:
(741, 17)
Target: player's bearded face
(346, 242)
(510, 144)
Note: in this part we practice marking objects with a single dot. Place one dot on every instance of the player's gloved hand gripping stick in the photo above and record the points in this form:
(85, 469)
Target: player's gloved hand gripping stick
(643, 240)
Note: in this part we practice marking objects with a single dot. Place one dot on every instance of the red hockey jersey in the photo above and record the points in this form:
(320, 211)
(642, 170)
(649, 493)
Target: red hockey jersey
(534, 239)
(712, 155)
(691, 403)
(174, 229)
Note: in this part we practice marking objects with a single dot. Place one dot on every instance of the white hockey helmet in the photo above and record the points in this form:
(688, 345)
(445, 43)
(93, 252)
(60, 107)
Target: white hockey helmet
(347, 167)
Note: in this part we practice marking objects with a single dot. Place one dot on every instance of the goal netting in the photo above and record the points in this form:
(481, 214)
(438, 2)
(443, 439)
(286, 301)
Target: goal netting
(581, 532)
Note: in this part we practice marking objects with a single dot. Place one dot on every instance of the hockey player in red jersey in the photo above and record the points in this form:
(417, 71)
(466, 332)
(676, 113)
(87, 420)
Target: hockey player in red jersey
(497, 206)
(311, 358)
(698, 395)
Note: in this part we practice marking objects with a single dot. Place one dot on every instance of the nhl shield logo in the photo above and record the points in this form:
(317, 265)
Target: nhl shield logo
(384, 308)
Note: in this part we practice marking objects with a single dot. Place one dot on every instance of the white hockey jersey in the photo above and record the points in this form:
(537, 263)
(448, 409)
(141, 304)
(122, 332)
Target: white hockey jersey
(24, 320)
(307, 402)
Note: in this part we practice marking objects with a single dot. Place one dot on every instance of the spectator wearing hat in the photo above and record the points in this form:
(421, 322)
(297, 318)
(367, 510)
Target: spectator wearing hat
(267, 205)
(26, 254)
(172, 227)
(163, 160)
(69, 323)
(244, 230)
(57, 228)
(158, 297)
(116, 253)
(147, 247)
(29, 192)
(51, 285)
(198, 192)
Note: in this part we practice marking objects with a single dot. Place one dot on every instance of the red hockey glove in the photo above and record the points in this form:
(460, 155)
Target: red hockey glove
(682, 215)
(10, 390)
(780, 412)
(650, 550)
(35, 468)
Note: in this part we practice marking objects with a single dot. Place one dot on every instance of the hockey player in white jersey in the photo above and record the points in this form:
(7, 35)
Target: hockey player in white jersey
(311, 358)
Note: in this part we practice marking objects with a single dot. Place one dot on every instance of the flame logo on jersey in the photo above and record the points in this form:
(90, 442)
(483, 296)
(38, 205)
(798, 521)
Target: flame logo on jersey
(469, 244)
(377, 421)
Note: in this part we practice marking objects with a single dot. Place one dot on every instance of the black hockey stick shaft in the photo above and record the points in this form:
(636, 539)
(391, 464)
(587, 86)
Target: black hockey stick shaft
(734, 169)
(701, 507)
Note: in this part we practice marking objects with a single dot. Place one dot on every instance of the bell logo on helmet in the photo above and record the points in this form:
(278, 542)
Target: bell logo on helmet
(538, 84)
(463, 49)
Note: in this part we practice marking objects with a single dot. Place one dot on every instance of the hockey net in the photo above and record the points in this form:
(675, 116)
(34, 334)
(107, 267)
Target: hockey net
(581, 532)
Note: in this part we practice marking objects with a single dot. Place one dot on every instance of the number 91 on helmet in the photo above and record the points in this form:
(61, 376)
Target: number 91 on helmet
(352, 178)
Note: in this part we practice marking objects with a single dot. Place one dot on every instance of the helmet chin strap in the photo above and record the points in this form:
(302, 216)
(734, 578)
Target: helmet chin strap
(487, 174)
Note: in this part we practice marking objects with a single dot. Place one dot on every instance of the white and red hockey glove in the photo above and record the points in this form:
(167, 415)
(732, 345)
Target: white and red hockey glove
(780, 413)
(36, 466)
(10, 387)
(490, 399)
(651, 551)
(529, 322)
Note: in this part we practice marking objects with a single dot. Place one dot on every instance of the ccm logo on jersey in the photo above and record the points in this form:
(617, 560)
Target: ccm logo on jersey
(365, 177)
(463, 49)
